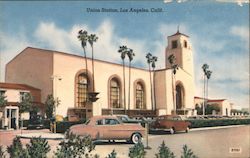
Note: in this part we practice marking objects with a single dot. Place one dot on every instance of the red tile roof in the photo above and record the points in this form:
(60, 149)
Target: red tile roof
(17, 86)
(216, 100)
(178, 33)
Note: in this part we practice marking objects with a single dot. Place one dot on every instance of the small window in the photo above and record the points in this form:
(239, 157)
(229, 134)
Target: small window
(185, 43)
(99, 122)
(23, 95)
(111, 122)
(174, 44)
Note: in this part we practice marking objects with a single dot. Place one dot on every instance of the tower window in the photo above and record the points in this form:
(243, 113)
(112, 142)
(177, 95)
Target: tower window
(174, 44)
(185, 44)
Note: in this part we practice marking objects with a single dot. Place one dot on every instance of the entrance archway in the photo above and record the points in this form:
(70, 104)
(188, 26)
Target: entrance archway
(179, 96)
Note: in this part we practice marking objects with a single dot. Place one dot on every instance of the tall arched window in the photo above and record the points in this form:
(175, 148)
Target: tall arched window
(115, 97)
(179, 96)
(139, 96)
(82, 89)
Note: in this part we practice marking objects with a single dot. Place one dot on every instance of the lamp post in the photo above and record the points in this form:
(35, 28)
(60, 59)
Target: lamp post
(55, 78)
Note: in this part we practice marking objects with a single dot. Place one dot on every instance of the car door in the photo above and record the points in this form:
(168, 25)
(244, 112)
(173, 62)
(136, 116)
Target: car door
(114, 129)
(179, 123)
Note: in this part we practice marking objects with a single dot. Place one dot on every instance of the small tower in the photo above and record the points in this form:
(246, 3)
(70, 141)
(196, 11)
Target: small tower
(179, 45)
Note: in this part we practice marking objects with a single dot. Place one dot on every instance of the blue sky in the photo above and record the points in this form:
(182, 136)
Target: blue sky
(218, 30)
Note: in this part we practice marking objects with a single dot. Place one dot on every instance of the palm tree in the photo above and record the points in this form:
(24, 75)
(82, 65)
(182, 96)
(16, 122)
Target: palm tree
(123, 51)
(83, 37)
(131, 55)
(174, 67)
(208, 75)
(149, 60)
(91, 39)
(204, 68)
(154, 59)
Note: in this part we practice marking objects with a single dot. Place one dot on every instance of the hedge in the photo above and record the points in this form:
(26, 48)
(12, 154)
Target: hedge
(219, 122)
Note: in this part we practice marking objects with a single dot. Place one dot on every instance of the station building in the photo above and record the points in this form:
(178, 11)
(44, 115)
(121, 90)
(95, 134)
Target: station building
(65, 76)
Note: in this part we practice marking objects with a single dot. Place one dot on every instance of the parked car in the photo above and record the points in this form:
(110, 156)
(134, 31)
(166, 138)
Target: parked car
(127, 119)
(171, 123)
(109, 128)
(36, 121)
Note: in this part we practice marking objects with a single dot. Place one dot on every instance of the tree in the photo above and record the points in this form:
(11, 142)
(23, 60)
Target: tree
(164, 152)
(123, 51)
(210, 108)
(204, 68)
(208, 75)
(2, 152)
(154, 59)
(26, 103)
(74, 146)
(38, 147)
(112, 154)
(83, 37)
(3, 100)
(50, 105)
(131, 55)
(174, 67)
(91, 39)
(16, 149)
(149, 60)
(187, 153)
(137, 151)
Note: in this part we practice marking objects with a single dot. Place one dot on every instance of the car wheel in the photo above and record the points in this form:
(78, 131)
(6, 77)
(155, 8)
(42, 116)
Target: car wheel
(172, 131)
(187, 130)
(136, 138)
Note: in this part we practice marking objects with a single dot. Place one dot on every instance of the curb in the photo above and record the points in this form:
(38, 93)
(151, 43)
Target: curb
(217, 127)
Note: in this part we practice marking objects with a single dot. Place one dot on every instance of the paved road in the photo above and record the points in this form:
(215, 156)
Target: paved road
(213, 143)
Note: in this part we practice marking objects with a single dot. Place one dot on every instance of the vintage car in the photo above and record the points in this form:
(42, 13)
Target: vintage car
(171, 123)
(109, 128)
(127, 119)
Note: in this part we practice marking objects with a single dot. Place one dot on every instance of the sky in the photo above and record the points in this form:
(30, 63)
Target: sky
(218, 31)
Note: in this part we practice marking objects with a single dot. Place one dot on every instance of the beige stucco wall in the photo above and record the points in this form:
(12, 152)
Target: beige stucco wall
(32, 67)
(67, 66)
(224, 106)
(12, 95)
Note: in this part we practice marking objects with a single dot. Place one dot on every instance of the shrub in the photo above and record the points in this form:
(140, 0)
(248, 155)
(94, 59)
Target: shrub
(112, 154)
(2, 152)
(219, 122)
(164, 152)
(38, 147)
(137, 151)
(74, 146)
(187, 153)
(16, 149)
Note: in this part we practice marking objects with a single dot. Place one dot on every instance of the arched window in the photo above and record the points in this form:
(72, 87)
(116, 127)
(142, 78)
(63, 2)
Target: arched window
(139, 96)
(179, 96)
(115, 98)
(82, 89)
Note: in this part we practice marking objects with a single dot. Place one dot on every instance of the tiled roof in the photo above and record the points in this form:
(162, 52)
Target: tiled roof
(17, 86)
(178, 33)
(216, 100)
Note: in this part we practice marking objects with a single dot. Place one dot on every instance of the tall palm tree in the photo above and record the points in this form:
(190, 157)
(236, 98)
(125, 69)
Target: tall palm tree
(123, 51)
(91, 39)
(131, 55)
(149, 60)
(154, 60)
(174, 67)
(204, 68)
(83, 37)
(208, 75)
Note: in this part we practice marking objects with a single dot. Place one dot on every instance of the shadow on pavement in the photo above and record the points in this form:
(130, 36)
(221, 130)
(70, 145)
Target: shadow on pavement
(111, 142)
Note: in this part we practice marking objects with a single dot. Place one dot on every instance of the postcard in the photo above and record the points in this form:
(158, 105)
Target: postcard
(166, 78)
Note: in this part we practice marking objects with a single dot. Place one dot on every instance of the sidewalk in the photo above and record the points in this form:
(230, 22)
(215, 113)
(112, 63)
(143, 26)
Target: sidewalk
(49, 136)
